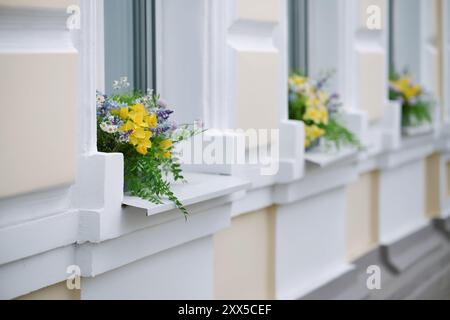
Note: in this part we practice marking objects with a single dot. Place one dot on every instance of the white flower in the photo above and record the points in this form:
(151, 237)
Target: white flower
(108, 128)
(100, 100)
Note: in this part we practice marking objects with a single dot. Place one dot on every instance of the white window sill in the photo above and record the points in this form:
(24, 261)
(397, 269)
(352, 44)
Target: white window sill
(199, 188)
(325, 159)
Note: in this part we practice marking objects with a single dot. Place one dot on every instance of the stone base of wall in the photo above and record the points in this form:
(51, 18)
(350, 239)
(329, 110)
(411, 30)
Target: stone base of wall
(427, 277)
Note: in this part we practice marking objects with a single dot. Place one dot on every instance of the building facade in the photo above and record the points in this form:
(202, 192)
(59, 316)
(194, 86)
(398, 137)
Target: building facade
(320, 228)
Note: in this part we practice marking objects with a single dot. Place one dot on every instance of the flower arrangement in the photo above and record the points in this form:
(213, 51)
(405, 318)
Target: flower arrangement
(139, 126)
(310, 103)
(416, 104)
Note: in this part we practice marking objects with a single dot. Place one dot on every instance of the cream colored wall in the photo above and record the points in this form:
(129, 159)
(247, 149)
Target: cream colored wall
(245, 257)
(447, 180)
(432, 186)
(38, 137)
(258, 10)
(362, 215)
(372, 83)
(371, 58)
(257, 74)
(434, 50)
(56, 292)
(257, 63)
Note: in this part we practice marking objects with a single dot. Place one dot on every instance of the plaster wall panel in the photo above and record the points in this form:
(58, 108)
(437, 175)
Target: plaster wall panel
(38, 126)
(244, 257)
(362, 215)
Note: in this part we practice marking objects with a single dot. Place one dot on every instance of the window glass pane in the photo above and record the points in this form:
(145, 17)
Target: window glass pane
(298, 35)
(129, 43)
(404, 36)
(391, 36)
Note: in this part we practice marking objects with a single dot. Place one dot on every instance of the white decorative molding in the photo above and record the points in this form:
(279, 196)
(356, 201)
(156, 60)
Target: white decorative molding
(446, 59)
(316, 180)
(184, 272)
(310, 243)
(35, 272)
(402, 201)
(411, 149)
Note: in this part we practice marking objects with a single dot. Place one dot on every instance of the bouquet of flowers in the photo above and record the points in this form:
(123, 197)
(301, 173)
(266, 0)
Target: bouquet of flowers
(416, 104)
(310, 103)
(139, 126)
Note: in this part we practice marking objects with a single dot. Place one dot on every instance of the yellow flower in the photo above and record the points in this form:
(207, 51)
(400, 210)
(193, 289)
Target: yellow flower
(124, 113)
(323, 97)
(317, 132)
(323, 115)
(151, 120)
(129, 125)
(312, 133)
(137, 118)
(308, 133)
(405, 86)
(307, 142)
(139, 108)
(313, 101)
(137, 135)
(165, 144)
(167, 154)
(297, 80)
(312, 114)
(142, 149)
(146, 143)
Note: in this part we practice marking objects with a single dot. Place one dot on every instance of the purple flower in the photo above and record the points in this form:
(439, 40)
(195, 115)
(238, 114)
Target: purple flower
(124, 136)
(163, 114)
(162, 103)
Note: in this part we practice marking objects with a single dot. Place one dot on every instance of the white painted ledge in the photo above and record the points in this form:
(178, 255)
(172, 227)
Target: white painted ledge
(411, 149)
(417, 131)
(327, 158)
(199, 188)
(317, 180)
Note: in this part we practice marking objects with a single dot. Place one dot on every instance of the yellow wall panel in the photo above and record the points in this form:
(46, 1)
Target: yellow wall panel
(447, 175)
(433, 186)
(37, 122)
(245, 257)
(258, 10)
(56, 292)
(362, 215)
(373, 92)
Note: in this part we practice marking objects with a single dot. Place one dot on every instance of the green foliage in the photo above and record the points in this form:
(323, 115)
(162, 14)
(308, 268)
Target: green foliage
(339, 135)
(146, 176)
(303, 90)
(416, 114)
(415, 111)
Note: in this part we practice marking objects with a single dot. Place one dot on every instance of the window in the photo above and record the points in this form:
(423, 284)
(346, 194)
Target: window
(316, 38)
(162, 45)
(391, 36)
(129, 40)
(404, 36)
(298, 35)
